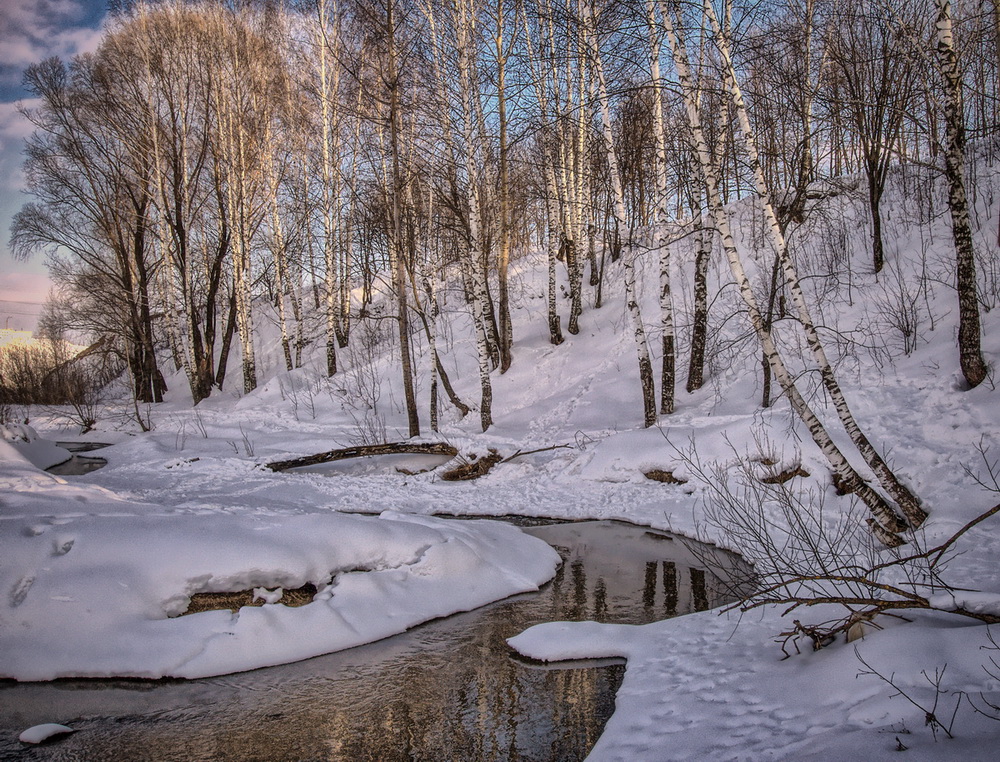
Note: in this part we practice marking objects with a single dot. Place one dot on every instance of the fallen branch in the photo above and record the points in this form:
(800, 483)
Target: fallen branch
(364, 451)
(519, 453)
(474, 468)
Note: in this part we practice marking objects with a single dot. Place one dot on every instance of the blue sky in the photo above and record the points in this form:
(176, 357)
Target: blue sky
(30, 31)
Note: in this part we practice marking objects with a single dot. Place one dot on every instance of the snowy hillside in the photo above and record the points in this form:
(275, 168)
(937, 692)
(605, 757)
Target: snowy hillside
(190, 502)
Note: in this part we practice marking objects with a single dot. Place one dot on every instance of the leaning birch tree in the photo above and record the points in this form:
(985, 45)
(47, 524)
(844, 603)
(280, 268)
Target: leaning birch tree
(886, 523)
(905, 499)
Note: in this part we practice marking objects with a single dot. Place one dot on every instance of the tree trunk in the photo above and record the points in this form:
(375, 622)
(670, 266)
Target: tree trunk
(699, 319)
(904, 497)
(628, 263)
(969, 351)
(397, 253)
(887, 519)
(874, 206)
(660, 218)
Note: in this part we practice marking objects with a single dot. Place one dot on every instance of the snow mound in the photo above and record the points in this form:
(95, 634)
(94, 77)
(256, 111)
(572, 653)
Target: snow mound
(99, 594)
(19, 439)
(39, 733)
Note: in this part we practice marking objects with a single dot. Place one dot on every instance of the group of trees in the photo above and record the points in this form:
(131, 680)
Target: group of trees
(213, 154)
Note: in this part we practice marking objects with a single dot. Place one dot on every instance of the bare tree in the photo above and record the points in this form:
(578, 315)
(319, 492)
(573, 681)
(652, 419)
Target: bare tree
(628, 263)
(878, 70)
(92, 182)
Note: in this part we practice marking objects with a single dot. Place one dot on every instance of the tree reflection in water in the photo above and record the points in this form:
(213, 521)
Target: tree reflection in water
(447, 690)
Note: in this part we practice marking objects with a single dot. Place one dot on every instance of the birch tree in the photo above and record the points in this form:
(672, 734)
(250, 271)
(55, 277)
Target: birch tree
(886, 523)
(618, 197)
(969, 352)
(661, 216)
(326, 43)
(541, 66)
(906, 500)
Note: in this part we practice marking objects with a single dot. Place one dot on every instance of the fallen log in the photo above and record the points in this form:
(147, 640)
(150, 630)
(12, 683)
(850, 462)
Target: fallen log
(364, 451)
(474, 468)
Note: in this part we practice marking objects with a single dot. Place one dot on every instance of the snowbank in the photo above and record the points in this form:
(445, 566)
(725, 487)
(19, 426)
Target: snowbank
(24, 440)
(95, 591)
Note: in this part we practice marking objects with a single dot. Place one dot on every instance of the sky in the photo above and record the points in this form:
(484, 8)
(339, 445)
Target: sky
(31, 31)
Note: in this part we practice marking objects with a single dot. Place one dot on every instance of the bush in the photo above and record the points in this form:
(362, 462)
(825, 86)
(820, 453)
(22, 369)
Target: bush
(49, 373)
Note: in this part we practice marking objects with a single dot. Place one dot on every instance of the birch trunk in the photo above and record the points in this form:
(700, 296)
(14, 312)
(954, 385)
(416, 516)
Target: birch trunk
(905, 499)
(543, 80)
(628, 258)
(473, 260)
(397, 252)
(331, 302)
(660, 219)
(969, 351)
(888, 521)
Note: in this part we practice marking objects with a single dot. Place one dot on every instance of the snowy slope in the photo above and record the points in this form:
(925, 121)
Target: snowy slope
(706, 686)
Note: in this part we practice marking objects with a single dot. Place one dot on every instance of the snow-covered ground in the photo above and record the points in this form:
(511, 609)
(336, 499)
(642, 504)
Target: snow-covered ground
(96, 587)
(93, 566)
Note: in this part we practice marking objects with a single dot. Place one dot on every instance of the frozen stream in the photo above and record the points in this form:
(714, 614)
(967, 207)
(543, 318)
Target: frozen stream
(449, 689)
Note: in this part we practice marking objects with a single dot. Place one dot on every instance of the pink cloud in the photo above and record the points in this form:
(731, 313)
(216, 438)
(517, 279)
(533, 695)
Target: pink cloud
(24, 286)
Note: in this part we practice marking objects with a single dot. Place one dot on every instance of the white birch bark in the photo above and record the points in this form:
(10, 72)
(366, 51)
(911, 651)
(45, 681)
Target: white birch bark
(969, 350)
(465, 41)
(327, 96)
(906, 500)
(660, 218)
(543, 81)
(887, 520)
(628, 261)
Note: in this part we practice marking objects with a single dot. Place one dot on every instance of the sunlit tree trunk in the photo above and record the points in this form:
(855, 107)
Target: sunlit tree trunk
(660, 219)
(904, 498)
(391, 80)
(886, 522)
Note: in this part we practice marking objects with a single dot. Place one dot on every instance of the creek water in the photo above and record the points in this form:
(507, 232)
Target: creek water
(447, 690)
(78, 464)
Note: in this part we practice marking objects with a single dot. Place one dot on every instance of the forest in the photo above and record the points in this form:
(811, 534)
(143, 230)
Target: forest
(317, 165)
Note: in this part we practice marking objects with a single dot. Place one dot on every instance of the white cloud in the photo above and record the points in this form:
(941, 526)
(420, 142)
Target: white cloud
(13, 125)
(32, 30)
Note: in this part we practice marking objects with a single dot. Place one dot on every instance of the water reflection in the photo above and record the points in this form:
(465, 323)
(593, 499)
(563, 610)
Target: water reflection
(78, 465)
(447, 690)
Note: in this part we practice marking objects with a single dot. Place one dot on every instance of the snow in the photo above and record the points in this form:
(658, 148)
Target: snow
(96, 591)
(95, 567)
(43, 732)
(20, 441)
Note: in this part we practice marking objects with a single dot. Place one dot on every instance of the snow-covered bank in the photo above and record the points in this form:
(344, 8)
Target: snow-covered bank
(94, 583)
(714, 688)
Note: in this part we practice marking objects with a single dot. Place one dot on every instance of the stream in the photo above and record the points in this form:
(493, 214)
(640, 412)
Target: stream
(450, 689)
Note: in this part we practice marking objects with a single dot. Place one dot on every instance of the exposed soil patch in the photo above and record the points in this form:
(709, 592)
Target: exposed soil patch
(783, 476)
(664, 477)
(234, 601)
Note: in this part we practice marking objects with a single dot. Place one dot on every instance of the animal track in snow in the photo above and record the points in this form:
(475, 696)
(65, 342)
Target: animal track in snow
(20, 590)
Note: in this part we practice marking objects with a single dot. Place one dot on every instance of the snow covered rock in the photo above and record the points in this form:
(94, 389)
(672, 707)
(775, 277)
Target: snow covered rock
(39, 733)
